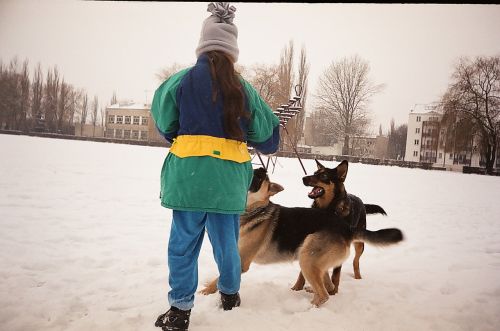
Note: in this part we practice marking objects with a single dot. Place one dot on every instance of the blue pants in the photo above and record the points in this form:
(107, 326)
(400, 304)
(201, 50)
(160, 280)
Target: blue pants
(186, 237)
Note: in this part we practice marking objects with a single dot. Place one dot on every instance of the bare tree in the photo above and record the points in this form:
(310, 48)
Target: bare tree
(37, 90)
(25, 83)
(265, 79)
(114, 100)
(50, 98)
(11, 95)
(474, 96)
(396, 146)
(296, 125)
(284, 87)
(3, 95)
(62, 105)
(321, 132)
(84, 110)
(165, 73)
(343, 95)
(93, 114)
(75, 97)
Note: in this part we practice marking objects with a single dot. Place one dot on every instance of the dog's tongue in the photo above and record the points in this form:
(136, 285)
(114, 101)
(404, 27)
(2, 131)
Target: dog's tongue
(316, 192)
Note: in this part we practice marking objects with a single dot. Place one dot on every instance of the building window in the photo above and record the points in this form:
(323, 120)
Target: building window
(144, 121)
(119, 119)
(416, 141)
(126, 134)
(144, 135)
(415, 153)
(440, 155)
(451, 156)
(110, 133)
(136, 120)
(118, 133)
(127, 119)
(111, 119)
(135, 134)
(417, 130)
(418, 118)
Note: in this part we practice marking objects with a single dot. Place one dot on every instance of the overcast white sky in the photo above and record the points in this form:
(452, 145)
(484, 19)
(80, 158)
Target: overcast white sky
(120, 46)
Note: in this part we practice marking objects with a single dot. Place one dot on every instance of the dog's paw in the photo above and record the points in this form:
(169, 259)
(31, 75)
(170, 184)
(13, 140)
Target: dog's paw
(297, 288)
(309, 289)
(318, 300)
(207, 291)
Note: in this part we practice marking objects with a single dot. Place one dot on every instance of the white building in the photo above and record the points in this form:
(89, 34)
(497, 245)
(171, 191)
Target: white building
(422, 137)
(426, 141)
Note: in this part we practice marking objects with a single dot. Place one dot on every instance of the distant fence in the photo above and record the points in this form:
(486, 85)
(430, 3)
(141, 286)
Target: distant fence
(479, 171)
(98, 139)
(364, 160)
(337, 158)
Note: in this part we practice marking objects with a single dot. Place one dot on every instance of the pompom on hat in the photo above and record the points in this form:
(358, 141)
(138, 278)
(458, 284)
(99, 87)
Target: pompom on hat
(218, 32)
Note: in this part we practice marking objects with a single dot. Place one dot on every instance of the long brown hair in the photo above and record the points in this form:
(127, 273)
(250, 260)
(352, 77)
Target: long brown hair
(226, 80)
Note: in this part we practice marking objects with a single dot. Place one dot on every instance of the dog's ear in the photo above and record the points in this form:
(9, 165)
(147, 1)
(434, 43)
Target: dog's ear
(275, 188)
(342, 170)
(320, 166)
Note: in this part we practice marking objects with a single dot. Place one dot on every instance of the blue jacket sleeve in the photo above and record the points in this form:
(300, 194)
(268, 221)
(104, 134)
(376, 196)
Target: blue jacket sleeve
(263, 133)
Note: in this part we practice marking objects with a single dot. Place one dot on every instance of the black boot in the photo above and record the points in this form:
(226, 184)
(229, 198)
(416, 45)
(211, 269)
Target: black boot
(229, 301)
(174, 320)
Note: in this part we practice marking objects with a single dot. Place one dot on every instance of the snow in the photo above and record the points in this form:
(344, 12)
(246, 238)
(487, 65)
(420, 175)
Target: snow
(83, 247)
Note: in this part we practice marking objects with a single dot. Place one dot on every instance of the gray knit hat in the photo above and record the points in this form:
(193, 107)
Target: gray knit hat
(218, 32)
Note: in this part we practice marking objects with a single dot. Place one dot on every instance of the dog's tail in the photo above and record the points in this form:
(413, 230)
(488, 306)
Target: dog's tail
(381, 237)
(374, 209)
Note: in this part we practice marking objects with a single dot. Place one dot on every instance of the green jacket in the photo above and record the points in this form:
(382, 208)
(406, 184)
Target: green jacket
(204, 170)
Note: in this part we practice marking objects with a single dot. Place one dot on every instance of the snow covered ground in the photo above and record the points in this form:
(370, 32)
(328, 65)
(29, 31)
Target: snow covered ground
(83, 243)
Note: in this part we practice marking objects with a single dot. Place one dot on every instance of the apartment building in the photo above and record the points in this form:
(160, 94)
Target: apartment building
(426, 141)
(131, 121)
(423, 133)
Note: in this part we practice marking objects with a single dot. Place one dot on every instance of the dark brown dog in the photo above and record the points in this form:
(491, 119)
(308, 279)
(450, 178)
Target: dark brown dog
(329, 193)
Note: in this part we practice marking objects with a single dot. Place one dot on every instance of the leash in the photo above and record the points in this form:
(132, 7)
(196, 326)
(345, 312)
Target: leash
(295, 150)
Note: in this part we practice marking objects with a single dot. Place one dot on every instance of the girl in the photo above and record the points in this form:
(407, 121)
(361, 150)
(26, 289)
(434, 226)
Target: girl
(209, 114)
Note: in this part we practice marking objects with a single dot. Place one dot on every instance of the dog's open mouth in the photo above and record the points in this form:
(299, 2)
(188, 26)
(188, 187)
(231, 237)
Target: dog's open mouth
(316, 192)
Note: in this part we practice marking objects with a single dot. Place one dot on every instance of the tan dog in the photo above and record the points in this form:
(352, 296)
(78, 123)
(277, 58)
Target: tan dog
(270, 233)
(329, 193)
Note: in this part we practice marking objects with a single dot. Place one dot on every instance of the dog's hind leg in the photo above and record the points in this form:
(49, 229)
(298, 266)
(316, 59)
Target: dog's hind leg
(299, 284)
(313, 261)
(330, 287)
(336, 279)
(359, 248)
(326, 281)
(315, 277)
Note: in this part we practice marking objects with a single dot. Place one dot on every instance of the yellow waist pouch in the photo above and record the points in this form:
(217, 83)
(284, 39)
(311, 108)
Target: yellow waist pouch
(221, 148)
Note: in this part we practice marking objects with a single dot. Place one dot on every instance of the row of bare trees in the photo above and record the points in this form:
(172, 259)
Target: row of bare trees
(42, 103)
(471, 109)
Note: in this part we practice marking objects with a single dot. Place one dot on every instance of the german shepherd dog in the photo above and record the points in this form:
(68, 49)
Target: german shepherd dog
(319, 239)
(329, 194)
